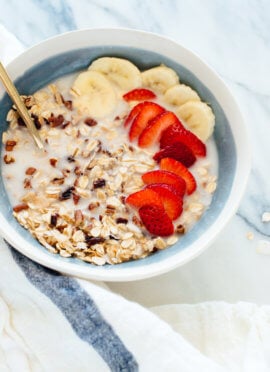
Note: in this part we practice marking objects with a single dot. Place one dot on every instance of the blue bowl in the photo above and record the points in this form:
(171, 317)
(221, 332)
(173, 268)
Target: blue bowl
(73, 52)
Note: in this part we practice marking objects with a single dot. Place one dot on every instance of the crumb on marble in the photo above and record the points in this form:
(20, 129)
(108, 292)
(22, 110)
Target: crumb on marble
(250, 235)
(266, 217)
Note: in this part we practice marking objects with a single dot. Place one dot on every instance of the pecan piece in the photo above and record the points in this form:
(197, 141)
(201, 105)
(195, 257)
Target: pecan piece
(90, 240)
(54, 218)
(109, 206)
(100, 182)
(77, 171)
(8, 159)
(122, 220)
(10, 145)
(61, 228)
(180, 229)
(30, 171)
(58, 181)
(53, 162)
(27, 183)
(110, 209)
(70, 159)
(67, 193)
(20, 207)
(66, 124)
(68, 104)
(90, 122)
(55, 121)
(92, 206)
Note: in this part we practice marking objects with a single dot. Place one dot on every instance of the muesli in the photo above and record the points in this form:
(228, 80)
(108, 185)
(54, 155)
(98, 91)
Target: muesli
(129, 163)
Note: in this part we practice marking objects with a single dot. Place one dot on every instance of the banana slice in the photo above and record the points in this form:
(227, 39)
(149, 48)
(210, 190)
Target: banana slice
(120, 71)
(180, 94)
(198, 117)
(159, 78)
(94, 94)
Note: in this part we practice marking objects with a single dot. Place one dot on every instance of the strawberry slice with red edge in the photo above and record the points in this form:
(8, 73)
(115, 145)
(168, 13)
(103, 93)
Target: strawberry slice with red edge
(171, 200)
(143, 197)
(169, 134)
(139, 94)
(156, 220)
(172, 165)
(154, 129)
(169, 178)
(147, 113)
(177, 133)
(178, 151)
(133, 113)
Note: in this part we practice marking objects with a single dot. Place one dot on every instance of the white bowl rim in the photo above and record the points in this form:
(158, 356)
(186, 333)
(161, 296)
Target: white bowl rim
(137, 273)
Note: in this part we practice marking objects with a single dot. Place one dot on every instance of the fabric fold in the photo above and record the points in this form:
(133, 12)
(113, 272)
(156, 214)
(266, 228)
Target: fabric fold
(62, 323)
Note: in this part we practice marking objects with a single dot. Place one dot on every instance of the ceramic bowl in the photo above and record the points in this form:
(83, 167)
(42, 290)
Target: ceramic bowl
(74, 51)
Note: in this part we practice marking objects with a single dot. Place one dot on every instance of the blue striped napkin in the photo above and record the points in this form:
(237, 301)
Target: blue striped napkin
(52, 322)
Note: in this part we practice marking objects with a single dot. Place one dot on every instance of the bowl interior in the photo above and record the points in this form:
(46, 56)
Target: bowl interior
(43, 73)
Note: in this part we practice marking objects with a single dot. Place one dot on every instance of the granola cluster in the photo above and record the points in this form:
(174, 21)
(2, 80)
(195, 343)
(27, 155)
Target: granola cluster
(72, 197)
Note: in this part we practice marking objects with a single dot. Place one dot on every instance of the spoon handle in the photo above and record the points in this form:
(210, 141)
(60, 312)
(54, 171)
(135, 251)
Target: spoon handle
(15, 97)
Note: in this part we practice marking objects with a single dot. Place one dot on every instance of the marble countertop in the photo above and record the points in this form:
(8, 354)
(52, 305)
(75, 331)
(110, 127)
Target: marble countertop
(233, 37)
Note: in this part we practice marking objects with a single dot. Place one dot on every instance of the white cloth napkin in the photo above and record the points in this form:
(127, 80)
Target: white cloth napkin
(51, 322)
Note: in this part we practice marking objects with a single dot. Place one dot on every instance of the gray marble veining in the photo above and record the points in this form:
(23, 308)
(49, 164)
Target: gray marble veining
(233, 37)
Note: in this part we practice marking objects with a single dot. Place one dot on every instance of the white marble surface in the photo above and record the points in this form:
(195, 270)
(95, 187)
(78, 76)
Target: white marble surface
(233, 37)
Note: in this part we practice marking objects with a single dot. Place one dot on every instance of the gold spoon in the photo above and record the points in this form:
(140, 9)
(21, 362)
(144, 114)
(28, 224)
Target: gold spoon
(15, 97)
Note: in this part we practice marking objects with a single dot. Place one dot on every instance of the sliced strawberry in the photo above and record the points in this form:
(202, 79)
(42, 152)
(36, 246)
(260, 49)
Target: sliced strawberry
(162, 176)
(177, 133)
(148, 112)
(169, 134)
(154, 129)
(178, 151)
(171, 200)
(143, 197)
(172, 165)
(133, 113)
(156, 220)
(139, 94)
